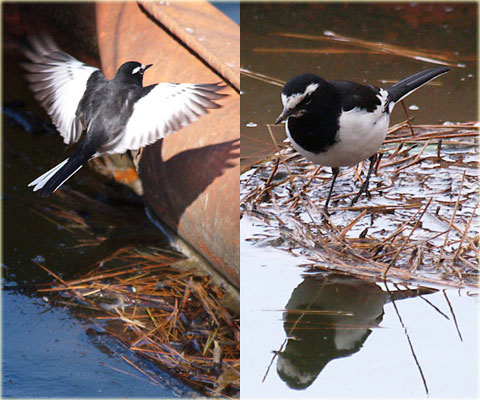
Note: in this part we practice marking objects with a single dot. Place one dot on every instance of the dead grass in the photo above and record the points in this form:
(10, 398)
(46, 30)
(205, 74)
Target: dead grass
(420, 225)
(137, 295)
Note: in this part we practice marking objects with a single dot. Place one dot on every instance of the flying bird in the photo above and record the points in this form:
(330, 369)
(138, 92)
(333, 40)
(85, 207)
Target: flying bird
(116, 115)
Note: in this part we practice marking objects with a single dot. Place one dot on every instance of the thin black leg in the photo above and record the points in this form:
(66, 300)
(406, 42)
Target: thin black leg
(364, 187)
(335, 172)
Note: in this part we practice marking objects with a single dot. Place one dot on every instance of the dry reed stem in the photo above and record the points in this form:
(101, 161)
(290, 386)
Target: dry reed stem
(439, 260)
(460, 231)
(409, 122)
(129, 374)
(416, 160)
(345, 230)
(66, 285)
(453, 314)
(412, 350)
(283, 50)
(328, 243)
(437, 136)
(428, 56)
(262, 77)
(142, 371)
(465, 232)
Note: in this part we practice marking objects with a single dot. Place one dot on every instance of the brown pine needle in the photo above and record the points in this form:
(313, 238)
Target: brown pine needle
(345, 230)
(158, 383)
(408, 237)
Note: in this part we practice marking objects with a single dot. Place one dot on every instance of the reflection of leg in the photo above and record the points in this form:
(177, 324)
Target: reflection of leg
(364, 187)
(335, 172)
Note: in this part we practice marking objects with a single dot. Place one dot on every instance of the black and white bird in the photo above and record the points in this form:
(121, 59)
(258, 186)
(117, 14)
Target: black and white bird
(117, 115)
(340, 123)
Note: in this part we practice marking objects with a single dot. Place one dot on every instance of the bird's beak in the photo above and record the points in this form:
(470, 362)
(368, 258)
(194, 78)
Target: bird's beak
(282, 117)
(147, 67)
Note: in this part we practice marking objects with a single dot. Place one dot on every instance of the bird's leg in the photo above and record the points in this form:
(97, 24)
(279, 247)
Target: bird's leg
(335, 172)
(364, 187)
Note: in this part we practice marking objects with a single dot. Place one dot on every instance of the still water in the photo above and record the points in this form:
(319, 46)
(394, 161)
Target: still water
(57, 357)
(267, 49)
(306, 335)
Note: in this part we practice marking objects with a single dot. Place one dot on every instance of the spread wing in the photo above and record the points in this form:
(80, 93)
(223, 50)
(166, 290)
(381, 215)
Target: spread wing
(164, 109)
(58, 81)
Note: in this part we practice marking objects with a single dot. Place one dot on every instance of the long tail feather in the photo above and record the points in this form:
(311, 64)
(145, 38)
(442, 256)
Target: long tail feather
(51, 180)
(408, 85)
(43, 179)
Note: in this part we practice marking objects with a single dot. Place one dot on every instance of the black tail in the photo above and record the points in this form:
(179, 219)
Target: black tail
(408, 85)
(54, 178)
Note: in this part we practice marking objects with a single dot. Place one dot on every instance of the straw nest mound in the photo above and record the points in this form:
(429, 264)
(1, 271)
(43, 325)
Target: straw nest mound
(420, 224)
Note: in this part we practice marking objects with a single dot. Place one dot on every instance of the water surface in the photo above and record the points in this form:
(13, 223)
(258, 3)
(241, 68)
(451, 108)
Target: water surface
(367, 353)
(439, 28)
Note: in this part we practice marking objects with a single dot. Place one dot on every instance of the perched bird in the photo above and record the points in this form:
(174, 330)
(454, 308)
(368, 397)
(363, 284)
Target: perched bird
(340, 123)
(116, 115)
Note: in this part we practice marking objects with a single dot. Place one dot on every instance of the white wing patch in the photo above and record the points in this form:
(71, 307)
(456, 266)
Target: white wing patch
(165, 109)
(58, 81)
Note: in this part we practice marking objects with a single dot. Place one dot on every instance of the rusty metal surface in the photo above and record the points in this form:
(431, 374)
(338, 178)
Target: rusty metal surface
(204, 30)
(191, 178)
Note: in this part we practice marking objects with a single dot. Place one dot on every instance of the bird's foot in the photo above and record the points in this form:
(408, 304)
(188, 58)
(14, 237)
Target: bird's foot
(364, 188)
(355, 199)
(325, 212)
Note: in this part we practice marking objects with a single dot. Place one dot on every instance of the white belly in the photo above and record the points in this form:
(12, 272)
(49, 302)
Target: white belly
(359, 137)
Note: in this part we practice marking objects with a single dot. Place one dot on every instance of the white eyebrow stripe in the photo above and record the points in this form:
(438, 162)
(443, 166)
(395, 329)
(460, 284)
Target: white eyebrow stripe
(311, 88)
(135, 70)
(292, 101)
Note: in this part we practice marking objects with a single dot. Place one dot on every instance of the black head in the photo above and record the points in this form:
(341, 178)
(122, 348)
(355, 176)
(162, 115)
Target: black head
(298, 95)
(131, 72)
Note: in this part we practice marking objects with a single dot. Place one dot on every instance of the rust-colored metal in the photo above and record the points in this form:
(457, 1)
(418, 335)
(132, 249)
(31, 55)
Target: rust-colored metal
(209, 33)
(190, 179)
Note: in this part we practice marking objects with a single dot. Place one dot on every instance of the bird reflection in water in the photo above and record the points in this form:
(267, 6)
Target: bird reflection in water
(329, 317)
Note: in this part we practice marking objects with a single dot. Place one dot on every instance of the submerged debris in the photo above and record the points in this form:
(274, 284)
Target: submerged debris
(365, 46)
(135, 293)
(421, 223)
